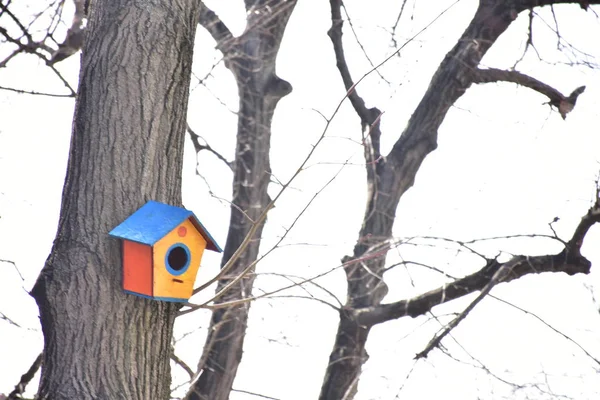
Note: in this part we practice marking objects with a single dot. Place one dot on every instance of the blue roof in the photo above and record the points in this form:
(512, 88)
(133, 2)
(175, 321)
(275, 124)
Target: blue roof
(154, 220)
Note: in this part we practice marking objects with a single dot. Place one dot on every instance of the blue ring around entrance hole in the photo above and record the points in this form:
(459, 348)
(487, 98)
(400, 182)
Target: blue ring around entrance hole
(178, 271)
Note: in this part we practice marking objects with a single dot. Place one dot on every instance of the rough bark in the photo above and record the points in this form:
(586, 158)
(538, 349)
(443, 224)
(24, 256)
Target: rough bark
(126, 148)
(251, 58)
(391, 176)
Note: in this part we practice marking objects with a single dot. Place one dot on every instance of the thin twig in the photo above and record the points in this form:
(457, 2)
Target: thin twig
(549, 326)
(36, 93)
(502, 272)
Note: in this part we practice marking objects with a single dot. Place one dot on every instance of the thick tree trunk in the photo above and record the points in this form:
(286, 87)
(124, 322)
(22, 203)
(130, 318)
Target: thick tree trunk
(126, 148)
(392, 176)
(251, 58)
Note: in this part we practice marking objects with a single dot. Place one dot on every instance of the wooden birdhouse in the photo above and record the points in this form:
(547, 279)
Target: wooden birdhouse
(162, 249)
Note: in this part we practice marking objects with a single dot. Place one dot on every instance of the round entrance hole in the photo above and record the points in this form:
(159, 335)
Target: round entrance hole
(178, 259)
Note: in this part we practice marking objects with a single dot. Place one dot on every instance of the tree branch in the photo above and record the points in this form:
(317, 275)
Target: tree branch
(31, 46)
(368, 116)
(4, 9)
(563, 103)
(27, 48)
(72, 95)
(25, 379)
(569, 261)
(74, 37)
(552, 328)
(181, 363)
(498, 276)
(199, 147)
(217, 29)
(592, 216)
(521, 5)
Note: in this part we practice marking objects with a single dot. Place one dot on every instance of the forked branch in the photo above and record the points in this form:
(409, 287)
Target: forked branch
(569, 261)
(199, 147)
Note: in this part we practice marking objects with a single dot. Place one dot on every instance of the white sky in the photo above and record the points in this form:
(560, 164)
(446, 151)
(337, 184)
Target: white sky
(505, 165)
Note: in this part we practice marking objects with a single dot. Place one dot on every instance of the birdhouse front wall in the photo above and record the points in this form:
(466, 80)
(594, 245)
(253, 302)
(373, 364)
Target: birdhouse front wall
(176, 261)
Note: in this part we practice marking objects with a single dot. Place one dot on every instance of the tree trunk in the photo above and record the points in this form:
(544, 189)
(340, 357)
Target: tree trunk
(252, 60)
(390, 177)
(126, 148)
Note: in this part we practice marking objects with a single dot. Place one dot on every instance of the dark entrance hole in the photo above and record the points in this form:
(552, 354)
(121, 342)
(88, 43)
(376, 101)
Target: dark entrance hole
(178, 258)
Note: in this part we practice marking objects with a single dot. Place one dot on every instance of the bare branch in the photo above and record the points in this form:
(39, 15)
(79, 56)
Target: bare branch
(9, 320)
(498, 276)
(30, 45)
(199, 147)
(251, 266)
(549, 326)
(366, 115)
(25, 379)
(567, 48)
(529, 42)
(362, 48)
(32, 49)
(255, 225)
(476, 281)
(218, 30)
(369, 117)
(209, 345)
(397, 23)
(25, 31)
(63, 80)
(301, 286)
(261, 296)
(592, 217)
(521, 5)
(14, 265)
(182, 364)
(194, 307)
(9, 57)
(71, 44)
(36, 93)
(74, 37)
(555, 27)
(27, 48)
(563, 103)
(569, 260)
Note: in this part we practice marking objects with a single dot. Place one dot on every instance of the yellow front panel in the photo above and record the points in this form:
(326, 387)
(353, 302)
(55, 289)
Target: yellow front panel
(166, 284)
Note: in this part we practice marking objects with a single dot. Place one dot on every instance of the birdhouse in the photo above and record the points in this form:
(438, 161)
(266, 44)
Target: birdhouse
(162, 249)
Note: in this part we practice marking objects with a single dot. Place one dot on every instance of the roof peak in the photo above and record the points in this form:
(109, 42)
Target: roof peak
(154, 220)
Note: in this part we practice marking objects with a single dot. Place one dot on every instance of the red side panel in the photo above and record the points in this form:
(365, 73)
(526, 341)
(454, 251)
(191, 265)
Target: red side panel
(137, 268)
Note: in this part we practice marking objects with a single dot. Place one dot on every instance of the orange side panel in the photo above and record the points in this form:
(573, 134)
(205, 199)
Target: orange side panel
(137, 268)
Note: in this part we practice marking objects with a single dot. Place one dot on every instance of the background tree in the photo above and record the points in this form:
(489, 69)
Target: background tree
(251, 58)
(390, 176)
